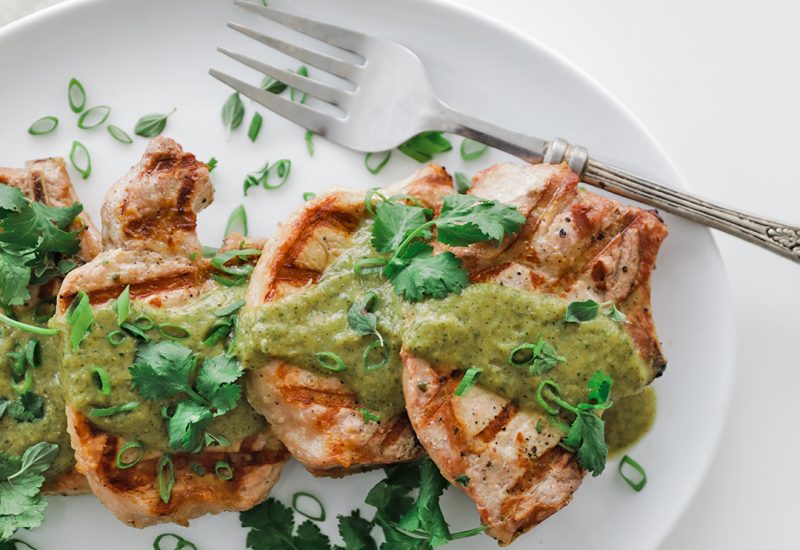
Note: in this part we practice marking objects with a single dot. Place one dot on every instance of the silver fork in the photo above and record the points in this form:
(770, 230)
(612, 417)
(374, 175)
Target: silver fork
(393, 100)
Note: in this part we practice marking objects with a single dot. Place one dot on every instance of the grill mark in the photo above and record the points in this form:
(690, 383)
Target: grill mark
(433, 406)
(185, 193)
(38, 188)
(308, 396)
(141, 289)
(399, 427)
(498, 423)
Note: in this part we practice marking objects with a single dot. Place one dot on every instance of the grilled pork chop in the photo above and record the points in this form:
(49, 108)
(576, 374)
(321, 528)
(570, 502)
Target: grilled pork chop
(576, 245)
(150, 243)
(317, 416)
(46, 181)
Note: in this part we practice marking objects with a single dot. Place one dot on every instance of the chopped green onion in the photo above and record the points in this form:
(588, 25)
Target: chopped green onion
(101, 380)
(80, 318)
(144, 322)
(330, 361)
(76, 96)
(237, 222)
(469, 380)
(132, 329)
(230, 309)
(555, 396)
(282, 168)
(369, 416)
(368, 206)
(138, 453)
(211, 164)
(233, 112)
(423, 146)
(80, 159)
(462, 182)
(522, 355)
(122, 305)
(307, 196)
(471, 149)
(197, 469)
(302, 71)
(231, 350)
(33, 353)
(539, 426)
(111, 411)
(376, 161)
(180, 542)
(223, 470)
(27, 328)
(172, 331)
(40, 316)
(254, 179)
(319, 516)
(272, 85)
(239, 270)
(43, 126)
(368, 263)
(116, 337)
(151, 125)
(93, 117)
(229, 281)
(119, 134)
(463, 480)
(309, 139)
(255, 126)
(634, 484)
(369, 349)
(209, 251)
(27, 383)
(166, 478)
(217, 333)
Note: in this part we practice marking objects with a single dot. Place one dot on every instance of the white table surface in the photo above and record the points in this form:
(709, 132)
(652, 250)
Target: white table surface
(718, 85)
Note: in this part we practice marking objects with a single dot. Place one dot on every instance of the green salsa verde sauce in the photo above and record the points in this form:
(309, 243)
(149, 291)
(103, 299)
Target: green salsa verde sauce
(145, 424)
(16, 436)
(629, 420)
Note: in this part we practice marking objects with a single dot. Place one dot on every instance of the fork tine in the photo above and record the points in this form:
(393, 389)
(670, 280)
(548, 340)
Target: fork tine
(319, 60)
(304, 84)
(307, 117)
(344, 38)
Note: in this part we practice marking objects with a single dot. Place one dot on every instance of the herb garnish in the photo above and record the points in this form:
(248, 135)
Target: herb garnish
(272, 85)
(319, 516)
(462, 182)
(76, 95)
(376, 161)
(223, 470)
(362, 319)
(43, 126)
(21, 478)
(119, 134)
(255, 126)
(262, 177)
(309, 139)
(586, 310)
(211, 164)
(471, 149)
(80, 159)
(636, 485)
(234, 275)
(93, 117)
(180, 542)
(133, 457)
(330, 361)
(470, 379)
(233, 112)
(80, 319)
(28, 408)
(369, 416)
(423, 146)
(541, 357)
(152, 125)
(166, 477)
(294, 93)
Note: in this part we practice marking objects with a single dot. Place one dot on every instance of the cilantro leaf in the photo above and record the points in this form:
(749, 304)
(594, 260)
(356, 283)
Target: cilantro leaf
(587, 435)
(272, 527)
(466, 219)
(11, 198)
(433, 276)
(186, 425)
(21, 478)
(28, 408)
(545, 358)
(599, 388)
(356, 532)
(394, 222)
(15, 275)
(161, 370)
(426, 516)
(42, 227)
(360, 317)
(309, 536)
(216, 383)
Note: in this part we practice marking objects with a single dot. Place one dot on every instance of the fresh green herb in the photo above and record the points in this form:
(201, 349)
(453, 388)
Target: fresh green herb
(27, 328)
(302, 495)
(43, 126)
(80, 159)
(471, 149)
(21, 479)
(376, 161)
(212, 440)
(541, 357)
(369, 416)
(166, 477)
(230, 309)
(255, 126)
(93, 117)
(237, 222)
(122, 305)
(134, 451)
(272, 527)
(133, 330)
(172, 331)
(273, 86)
(281, 169)
(309, 139)
(238, 274)
(112, 411)
(463, 480)
(330, 361)
(76, 96)
(233, 112)
(424, 146)
(294, 93)
(307, 196)
(44, 310)
(101, 380)
(539, 426)
(470, 379)
(586, 310)
(152, 125)
(616, 315)
(119, 134)
(209, 251)
(28, 408)
(635, 484)
(33, 353)
(211, 164)
(223, 470)
(462, 182)
(180, 542)
(166, 369)
(384, 357)
(80, 319)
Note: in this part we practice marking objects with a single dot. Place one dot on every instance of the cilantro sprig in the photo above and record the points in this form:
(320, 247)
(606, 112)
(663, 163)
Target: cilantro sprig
(21, 503)
(586, 310)
(402, 234)
(166, 370)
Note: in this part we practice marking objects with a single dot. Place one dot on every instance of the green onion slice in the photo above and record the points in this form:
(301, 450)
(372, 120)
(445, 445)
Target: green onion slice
(462, 182)
(469, 380)
(27, 328)
(166, 477)
(368, 351)
(93, 117)
(218, 332)
(522, 355)
(211, 164)
(223, 470)
(135, 452)
(45, 309)
(209, 251)
(294, 93)
(230, 309)
(116, 337)
(368, 206)
(119, 134)
(296, 505)
(238, 270)
(255, 126)
(237, 222)
(471, 149)
(102, 380)
(145, 323)
(111, 411)
(43, 126)
(330, 361)
(76, 96)
(309, 139)
(307, 196)
(172, 331)
(231, 350)
(80, 318)
(122, 305)
(180, 542)
(80, 159)
(229, 281)
(281, 169)
(369, 416)
(33, 353)
(635, 484)
(374, 162)
(132, 329)
(26, 385)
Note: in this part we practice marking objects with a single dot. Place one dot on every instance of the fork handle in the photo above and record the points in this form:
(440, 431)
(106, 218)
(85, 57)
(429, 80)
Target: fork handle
(773, 235)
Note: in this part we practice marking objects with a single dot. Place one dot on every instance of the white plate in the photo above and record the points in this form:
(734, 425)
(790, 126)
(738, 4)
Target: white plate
(153, 55)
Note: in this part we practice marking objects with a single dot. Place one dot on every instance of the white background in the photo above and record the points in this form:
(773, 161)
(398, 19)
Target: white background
(718, 86)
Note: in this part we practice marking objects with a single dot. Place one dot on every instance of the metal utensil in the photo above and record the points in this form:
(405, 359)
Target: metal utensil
(393, 100)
